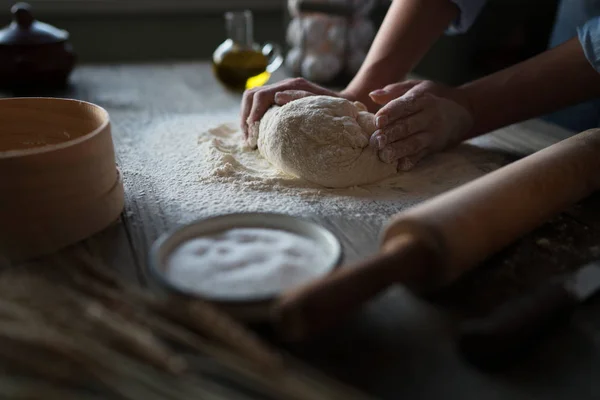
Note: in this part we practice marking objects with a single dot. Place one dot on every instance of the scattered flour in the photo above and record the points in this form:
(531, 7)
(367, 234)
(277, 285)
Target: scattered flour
(193, 166)
(232, 163)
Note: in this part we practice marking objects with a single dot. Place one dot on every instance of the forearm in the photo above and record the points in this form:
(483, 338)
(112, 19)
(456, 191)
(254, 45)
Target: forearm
(548, 82)
(408, 31)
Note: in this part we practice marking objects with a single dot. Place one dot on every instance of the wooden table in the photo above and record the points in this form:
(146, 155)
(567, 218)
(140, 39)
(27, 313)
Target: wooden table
(397, 346)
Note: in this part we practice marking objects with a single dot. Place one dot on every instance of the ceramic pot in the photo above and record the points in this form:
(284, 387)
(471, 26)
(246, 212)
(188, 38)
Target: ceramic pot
(33, 53)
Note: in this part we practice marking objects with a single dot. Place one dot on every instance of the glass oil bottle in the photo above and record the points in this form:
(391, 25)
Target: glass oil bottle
(239, 63)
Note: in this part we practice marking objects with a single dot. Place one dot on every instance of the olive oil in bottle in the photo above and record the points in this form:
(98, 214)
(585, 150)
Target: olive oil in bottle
(240, 68)
(238, 63)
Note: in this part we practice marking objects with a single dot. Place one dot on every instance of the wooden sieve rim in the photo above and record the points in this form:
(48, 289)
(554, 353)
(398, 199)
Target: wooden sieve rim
(53, 147)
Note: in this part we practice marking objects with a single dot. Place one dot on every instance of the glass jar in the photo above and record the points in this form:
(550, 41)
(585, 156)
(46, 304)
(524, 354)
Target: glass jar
(239, 63)
(328, 40)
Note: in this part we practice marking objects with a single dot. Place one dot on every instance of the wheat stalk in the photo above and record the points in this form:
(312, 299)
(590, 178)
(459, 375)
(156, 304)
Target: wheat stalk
(73, 322)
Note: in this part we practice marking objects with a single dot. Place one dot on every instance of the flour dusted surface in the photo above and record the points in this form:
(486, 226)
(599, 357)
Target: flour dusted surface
(195, 166)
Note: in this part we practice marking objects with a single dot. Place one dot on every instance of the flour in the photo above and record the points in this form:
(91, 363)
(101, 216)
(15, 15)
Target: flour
(233, 163)
(192, 166)
(246, 263)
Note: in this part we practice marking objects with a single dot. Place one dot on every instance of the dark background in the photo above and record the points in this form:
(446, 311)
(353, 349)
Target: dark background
(506, 32)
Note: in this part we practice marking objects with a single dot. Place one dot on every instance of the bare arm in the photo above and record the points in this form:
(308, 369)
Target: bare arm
(420, 117)
(548, 82)
(408, 31)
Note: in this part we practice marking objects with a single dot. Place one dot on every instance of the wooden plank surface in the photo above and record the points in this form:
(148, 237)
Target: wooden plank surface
(397, 346)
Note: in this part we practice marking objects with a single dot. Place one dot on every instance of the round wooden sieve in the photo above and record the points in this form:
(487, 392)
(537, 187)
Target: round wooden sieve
(59, 183)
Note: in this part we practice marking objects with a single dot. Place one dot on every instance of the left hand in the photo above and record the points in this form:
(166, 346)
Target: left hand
(258, 100)
(418, 118)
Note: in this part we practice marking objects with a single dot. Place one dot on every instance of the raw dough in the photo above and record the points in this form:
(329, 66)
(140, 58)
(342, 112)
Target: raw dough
(322, 139)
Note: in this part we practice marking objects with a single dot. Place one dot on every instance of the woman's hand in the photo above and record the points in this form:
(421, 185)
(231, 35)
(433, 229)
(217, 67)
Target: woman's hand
(257, 101)
(418, 118)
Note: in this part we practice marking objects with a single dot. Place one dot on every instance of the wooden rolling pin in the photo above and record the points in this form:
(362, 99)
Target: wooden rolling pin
(433, 243)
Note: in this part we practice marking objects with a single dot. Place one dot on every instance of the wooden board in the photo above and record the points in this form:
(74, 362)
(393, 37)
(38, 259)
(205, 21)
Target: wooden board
(398, 346)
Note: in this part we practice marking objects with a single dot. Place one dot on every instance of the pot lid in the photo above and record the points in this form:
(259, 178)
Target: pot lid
(25, 30)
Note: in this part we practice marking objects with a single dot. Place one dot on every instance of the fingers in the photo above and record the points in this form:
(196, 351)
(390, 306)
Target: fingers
(282, 98)
(415, 99)
(390, 92)
(400, 108)
(409, 147)
(401, 128)
(261, 102)
(245, 110)
(257, 101)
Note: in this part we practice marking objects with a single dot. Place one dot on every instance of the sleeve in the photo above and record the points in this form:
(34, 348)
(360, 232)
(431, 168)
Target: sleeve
(589, 37)
(468, 12)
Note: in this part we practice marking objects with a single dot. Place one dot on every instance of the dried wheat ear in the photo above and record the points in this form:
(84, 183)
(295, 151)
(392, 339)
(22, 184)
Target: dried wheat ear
(69, 328)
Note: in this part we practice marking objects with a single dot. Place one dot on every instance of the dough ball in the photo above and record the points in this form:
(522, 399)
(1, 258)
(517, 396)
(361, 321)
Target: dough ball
(324, 140)
(321, 68)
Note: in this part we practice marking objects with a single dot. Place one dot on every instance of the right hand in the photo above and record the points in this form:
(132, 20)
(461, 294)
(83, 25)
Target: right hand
(257, 101)
(419, 118)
